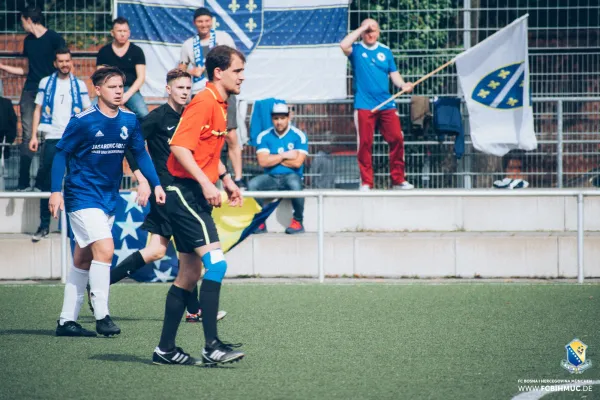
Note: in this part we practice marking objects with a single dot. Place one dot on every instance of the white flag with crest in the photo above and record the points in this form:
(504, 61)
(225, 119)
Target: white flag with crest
(494, 77)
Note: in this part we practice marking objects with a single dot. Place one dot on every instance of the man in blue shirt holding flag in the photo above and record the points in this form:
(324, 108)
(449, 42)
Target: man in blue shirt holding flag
(94, 145)
(60, 96)
(373, 64)
(281, 151)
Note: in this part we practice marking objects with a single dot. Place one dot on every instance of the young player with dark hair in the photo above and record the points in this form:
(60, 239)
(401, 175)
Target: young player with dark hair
(93, 146)
(195, 165)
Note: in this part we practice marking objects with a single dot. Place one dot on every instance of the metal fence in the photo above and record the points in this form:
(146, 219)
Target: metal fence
(84, 24)
(564, 38)
(564, 43)
(568, 153)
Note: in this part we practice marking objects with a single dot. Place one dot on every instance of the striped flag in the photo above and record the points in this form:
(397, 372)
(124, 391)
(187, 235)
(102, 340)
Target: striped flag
(291, 46)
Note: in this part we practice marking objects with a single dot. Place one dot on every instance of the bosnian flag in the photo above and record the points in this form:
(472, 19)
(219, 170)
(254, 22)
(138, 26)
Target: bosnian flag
(291, 46)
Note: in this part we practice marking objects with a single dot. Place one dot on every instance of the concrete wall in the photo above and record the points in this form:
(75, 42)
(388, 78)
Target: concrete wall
(461, 254)
(389, 237)
(387, 214)
(470, 214)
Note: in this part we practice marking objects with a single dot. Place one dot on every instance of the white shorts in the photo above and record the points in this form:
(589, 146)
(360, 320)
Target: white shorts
(90, 225)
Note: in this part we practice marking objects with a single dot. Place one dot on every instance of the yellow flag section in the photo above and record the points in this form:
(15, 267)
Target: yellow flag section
(234, 224)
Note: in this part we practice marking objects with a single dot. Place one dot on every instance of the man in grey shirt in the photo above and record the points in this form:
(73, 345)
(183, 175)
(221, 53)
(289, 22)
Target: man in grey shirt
(193, 54)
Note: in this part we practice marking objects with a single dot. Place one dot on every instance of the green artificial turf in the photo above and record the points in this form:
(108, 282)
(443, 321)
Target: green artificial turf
(309, 341)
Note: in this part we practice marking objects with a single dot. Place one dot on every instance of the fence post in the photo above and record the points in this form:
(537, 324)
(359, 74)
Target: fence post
(63, 246)
(321, 237)
(559, 143)
(580, 230)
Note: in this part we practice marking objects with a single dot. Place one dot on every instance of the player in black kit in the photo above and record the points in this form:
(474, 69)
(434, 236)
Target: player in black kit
(158, 128)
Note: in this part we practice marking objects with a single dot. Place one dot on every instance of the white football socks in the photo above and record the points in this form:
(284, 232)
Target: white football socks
(99, 286)
(74, 292)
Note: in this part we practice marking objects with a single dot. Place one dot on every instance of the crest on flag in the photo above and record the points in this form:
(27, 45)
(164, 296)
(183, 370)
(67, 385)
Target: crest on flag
(242, 19)
(502, 88)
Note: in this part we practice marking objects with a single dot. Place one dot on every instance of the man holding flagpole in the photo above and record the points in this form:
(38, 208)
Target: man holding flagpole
(60, 96)
(373, 64)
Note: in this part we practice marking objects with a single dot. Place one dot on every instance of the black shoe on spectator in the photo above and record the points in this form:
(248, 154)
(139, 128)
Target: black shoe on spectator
(40, 234)
(241, 183)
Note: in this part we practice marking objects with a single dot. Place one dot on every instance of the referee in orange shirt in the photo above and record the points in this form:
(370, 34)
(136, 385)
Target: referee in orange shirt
(195, 165)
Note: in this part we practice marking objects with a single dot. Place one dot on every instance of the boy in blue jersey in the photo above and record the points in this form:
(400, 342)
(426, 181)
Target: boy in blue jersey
(281, 151)
(373, 64)
(93, 145)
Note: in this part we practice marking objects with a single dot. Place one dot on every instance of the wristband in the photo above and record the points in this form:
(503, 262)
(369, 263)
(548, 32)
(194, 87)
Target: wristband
(223, 175)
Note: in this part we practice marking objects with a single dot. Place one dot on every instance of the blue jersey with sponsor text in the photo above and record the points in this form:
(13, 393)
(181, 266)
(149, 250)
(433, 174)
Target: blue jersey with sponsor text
(95, 144)
(372, 67)
(292, 139)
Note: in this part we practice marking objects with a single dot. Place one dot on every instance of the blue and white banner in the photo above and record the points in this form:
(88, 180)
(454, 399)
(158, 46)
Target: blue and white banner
(234, 224)
(494, 77)
(291, 46)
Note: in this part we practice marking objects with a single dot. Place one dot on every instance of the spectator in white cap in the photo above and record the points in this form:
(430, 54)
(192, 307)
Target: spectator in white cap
(281, 151)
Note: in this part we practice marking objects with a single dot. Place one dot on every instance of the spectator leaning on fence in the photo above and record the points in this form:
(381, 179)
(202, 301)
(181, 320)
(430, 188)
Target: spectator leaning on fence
(38, 49)
(59, 97)
(373, 64)
(130, 59)
(193, 54)
(281, 151)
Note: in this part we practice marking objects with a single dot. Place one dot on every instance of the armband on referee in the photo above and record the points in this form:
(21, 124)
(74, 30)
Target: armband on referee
(223, 175)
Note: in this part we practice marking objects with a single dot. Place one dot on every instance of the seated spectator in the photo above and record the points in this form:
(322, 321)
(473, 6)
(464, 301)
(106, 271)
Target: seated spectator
(38, 50)
(60, 96)
(281, 151)
(130, 59)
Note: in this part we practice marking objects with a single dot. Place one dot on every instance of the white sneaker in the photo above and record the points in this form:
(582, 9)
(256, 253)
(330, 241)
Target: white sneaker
(403, 186)
(364, 188)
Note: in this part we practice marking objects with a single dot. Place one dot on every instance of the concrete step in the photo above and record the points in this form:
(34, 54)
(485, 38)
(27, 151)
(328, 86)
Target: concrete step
(20, 258)
(393, 214)
(367, 254)
(421, 254)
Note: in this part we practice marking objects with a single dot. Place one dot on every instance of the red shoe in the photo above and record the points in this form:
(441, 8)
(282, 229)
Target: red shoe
(295, 227)
(262, 228)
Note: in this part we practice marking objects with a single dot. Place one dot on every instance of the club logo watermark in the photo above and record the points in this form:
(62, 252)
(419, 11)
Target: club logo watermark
(576, 361)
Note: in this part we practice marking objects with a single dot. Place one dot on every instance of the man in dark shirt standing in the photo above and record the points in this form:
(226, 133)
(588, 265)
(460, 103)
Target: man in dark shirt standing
(130, 59)
(38, 49)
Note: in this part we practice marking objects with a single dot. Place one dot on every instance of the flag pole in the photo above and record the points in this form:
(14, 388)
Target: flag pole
(429, 75)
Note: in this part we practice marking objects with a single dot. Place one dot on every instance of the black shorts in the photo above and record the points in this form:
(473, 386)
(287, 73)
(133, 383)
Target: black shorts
(190, 216)
(157, 220)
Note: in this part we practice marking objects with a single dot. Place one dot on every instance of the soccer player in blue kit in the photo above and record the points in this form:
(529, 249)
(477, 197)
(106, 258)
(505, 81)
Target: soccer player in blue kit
(93, 146)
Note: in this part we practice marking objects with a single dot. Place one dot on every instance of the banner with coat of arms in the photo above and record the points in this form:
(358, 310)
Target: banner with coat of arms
(494, 77)
(291, 46)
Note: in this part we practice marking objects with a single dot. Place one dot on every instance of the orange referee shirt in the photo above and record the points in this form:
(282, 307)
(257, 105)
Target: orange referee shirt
(202, 129)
